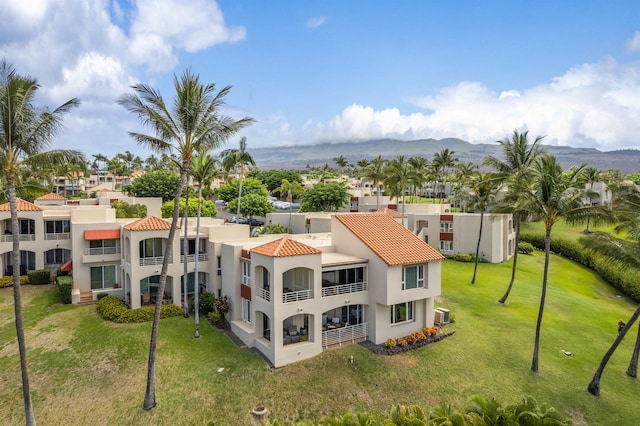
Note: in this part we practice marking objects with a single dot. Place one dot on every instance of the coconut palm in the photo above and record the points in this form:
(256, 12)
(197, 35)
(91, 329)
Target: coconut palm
(420, 174)
(374, 173)
(193, 123)
(342, 163)
(554, 196)
(443, 161)
(591, 176)
(483, 190)
(398, 174)
(516, 170)
(289, 188)
(204, 170)
(233, 159)
(25, 132)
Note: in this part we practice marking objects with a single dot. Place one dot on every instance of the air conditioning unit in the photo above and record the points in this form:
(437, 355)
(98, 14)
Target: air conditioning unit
(442, 316)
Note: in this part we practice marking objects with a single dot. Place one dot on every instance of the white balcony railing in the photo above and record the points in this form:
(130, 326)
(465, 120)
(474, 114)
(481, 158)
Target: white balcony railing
(22, 237)
(57, 236)
(202, 257)
(295, 296)
(151, 261)
(347, 334)
(264, 294)
(335, 290)
(98, 251)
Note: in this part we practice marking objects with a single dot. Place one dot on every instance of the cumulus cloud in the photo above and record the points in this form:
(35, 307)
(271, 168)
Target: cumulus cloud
(634, 43)
(315, 22)
(594, 105)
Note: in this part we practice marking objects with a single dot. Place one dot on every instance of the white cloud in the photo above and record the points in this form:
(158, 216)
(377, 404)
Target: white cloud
(634, 43)
(595, 105)
(316, 22)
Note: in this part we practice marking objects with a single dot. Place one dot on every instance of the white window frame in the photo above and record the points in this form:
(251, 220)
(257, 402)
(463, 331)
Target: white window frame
(446, 245)
(246, 310)
(446, 227)
(246, 272)
(410, 310)
(420, 279)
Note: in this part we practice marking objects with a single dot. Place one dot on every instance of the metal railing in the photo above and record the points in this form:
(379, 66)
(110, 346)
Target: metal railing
(150, 261)
(347, 334)
(97, 251)
(22, 237)
(295, 296)
(202, 257)
(335, 290)
(264, 294)
(57, 236)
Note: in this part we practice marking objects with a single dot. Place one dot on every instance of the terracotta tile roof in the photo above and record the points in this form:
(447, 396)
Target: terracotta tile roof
(52, 196)
(149, 223)
(393, 213)
(389, 240)
(283, 247)
(22, 206)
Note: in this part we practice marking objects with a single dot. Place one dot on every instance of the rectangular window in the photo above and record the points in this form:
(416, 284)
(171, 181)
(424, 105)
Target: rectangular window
(246, 310)
(151, 247)
(446, 245)
(246, 273)
(446, 226)
(402, 312)
(219, 265)
(57, 226)
(103, 276)
(412, 277)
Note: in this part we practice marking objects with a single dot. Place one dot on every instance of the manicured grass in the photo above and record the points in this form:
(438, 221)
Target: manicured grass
(85, 370)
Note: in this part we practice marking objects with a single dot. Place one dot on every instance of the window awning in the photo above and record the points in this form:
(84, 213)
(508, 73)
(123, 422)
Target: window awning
(102, 234)
(67, 266)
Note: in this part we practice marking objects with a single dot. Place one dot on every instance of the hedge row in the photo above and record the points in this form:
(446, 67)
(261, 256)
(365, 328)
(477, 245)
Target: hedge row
(7, 280)
(625, 279)
(113, 309)
(65, 285)
(39, 276)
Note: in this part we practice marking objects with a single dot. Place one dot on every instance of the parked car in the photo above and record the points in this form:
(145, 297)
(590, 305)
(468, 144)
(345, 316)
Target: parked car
(255, 222)
(221, 203)
(295, 206)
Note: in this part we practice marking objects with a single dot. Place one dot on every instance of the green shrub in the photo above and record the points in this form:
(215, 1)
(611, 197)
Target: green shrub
(206, 303)
(39, 276)
(463, 257)
(214, 318)
(101, 295)
(6, 281)
(65, 284)
(525, 247)
(113, 309)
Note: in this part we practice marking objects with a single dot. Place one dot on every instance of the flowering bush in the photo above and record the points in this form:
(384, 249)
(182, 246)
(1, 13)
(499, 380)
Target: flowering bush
(402, 342)
(421, 336)
(412, 338)
(390, 343)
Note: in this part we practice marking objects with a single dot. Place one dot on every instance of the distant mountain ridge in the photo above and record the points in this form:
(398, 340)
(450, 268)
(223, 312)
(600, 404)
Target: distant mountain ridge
(299, 156)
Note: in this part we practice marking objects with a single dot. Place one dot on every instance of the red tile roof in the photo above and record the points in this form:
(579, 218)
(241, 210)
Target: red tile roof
(389, 240)
(22, 206)
(52, 196)
(283, 247)
(149, 223)
(393, 213)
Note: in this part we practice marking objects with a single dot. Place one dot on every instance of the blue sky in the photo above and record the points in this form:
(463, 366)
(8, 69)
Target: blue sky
(311, 71)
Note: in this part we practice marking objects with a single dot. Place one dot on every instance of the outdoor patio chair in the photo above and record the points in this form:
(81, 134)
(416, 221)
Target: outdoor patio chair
(146, 298)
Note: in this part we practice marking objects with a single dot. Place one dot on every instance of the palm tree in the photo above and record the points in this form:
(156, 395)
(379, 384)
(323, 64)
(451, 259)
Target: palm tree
(203, 170)
(516, 169)
(25, 132)
(192, 124)
(555, 195)
(237, 158)
(483, 190)
(342, 163)
(398, 174)
(289, 188)
(443, 161)
(374, 173)
(420, 174)
(591, 176)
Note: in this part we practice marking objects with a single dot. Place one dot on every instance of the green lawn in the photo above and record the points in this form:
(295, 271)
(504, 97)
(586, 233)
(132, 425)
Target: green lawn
(88, 371)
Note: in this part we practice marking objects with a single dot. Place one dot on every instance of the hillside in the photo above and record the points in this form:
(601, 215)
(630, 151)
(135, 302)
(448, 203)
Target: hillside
(299, 156)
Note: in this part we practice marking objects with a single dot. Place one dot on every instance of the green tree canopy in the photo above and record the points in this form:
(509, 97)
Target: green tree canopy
(253, 204)
(273, 178)
(160, 183)
(326, 197)
(208, 209)
(231, 189)
(124, 209)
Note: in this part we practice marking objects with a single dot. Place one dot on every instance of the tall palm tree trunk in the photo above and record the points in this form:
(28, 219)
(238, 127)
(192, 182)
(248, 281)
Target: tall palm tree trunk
(150, 393)
(195, 268)
(536, 344)
(240, 188)
(185, 252)
(632, 371)
(17, 302)
(378, 196)
(475, 268)
(503, 299)
(594, 385)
